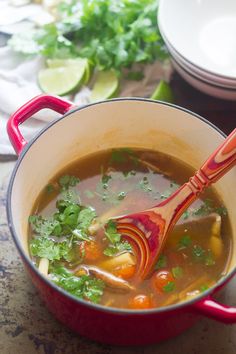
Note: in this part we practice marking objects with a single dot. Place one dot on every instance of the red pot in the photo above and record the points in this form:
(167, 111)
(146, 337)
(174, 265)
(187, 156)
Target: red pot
(81, 131)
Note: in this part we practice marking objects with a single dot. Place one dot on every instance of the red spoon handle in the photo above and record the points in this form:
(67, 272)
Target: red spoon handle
(222, 160)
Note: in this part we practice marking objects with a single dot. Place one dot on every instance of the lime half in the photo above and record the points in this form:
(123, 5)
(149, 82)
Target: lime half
(105, 86)
(61, 80)
(163, 92)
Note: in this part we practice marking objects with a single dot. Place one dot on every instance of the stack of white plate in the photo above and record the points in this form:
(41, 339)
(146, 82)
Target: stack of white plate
(201, 38)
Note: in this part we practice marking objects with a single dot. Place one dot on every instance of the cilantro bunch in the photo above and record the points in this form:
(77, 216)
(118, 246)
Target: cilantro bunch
(110, 33)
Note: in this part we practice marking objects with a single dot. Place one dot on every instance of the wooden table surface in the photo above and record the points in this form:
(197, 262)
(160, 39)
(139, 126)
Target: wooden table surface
(222, 113)
(26, 327)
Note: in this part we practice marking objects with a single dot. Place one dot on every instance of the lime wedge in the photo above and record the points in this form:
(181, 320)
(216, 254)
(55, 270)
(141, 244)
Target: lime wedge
(61, 80)
(76, 62)
(163, 92)
(106, 86)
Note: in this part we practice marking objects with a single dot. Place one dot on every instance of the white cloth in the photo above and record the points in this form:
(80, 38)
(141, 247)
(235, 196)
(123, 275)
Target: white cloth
(18, 84)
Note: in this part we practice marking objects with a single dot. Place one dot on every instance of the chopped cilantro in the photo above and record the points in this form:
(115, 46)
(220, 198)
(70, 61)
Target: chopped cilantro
(221, 211)
(202, 255)
(177, 272)
(209, 259)
(44, 247)
(184, 242)
(198, 252)
(105, 180)
(208, 207)
(186, 214)
(86, 217)
(111, 232)
(123, 155)
(67, 181)
(44, 227)
(118, 247)
(84, 287)
(170, 286)
(121, 196)
(166, 194)
(203, 288)
(145, 185)
(161, 263)
(50, 188)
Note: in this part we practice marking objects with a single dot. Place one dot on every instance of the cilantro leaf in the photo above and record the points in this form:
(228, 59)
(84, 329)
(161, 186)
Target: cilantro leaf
(184, 242)
(111, 232)
(177, 272)
(84, 287)
(85, 218)
(67, 181)
(161, 263)
(170, 286)
(44, 247)
(44, 226)
(114, 249)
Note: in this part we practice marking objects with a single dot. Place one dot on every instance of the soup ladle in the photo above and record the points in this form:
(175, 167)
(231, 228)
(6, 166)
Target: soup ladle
(148, 230)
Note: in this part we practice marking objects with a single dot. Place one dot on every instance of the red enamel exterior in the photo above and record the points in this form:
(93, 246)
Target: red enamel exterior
(112, 326)
(27, 110)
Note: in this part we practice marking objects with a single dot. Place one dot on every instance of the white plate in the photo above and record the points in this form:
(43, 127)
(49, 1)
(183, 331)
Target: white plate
(203, 32)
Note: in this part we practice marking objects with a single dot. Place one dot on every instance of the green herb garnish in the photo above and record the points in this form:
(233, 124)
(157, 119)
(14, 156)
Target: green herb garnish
(177, 272)
(44, 247)
(184, 242)
(111, 232)
(84, 287)
(145, 185)
(170, 286)
(68, 181)
(50, 188)
(123, 155)
(203, 288)
(198, 252)
(161, 263)
(118, 247)
(121, 195)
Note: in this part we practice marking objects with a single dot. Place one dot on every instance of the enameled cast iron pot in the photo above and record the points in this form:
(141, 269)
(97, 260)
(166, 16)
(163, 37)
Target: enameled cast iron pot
(112, 124)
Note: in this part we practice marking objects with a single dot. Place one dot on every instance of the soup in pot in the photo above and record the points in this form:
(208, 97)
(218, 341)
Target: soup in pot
(70, 245)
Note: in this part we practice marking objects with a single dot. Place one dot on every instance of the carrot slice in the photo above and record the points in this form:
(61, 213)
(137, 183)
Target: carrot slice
(140, 302)
(125, 271)
(92, 251)
(161, 279)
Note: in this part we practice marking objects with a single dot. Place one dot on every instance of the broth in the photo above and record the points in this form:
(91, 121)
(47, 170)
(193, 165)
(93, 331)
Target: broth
(96, 264)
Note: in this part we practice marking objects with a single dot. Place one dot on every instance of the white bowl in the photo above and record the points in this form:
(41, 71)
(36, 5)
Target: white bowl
(203, 32)
(196, 71)
(203, 86)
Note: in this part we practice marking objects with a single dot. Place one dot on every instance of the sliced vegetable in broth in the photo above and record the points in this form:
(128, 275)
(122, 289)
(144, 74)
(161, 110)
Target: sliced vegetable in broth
(69, 244)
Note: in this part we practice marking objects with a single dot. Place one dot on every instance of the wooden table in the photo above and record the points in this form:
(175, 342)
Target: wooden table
(222, 113)
(26, 327)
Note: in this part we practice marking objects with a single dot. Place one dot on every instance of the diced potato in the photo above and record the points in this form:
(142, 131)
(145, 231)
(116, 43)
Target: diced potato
(216, 246)
(125, 258)
(43, 266)
(216, 227)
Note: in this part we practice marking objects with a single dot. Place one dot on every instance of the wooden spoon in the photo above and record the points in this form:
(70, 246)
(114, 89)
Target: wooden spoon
(147, 230)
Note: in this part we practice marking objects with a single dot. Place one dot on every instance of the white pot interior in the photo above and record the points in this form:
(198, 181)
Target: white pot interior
(118, 123)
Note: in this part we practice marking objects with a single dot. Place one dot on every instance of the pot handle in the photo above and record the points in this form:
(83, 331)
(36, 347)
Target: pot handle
(27, 110)
(213, 309)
